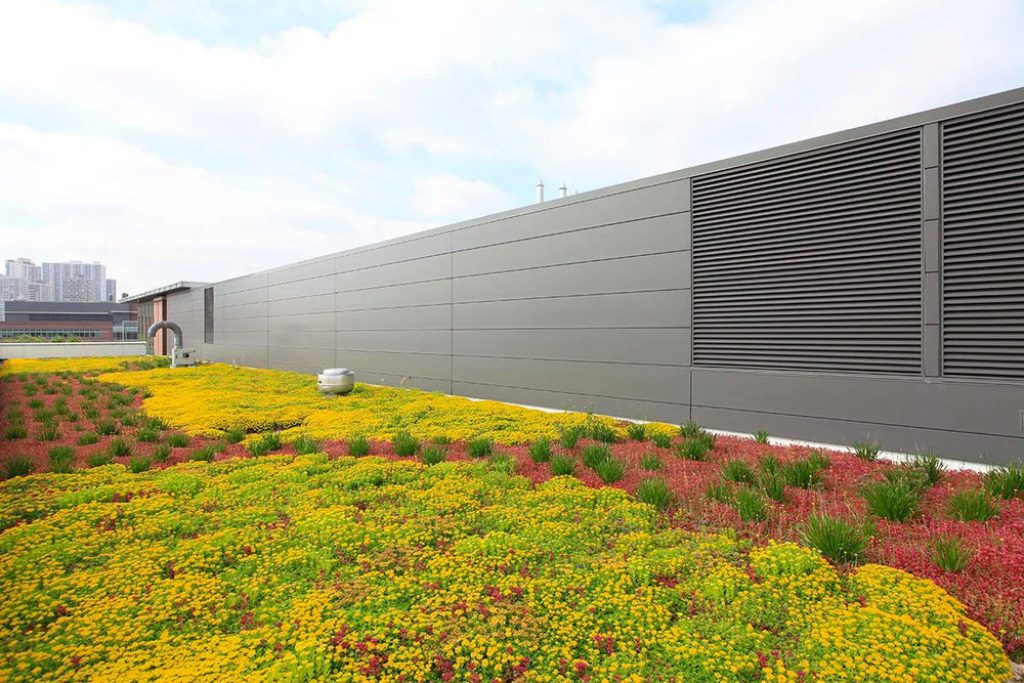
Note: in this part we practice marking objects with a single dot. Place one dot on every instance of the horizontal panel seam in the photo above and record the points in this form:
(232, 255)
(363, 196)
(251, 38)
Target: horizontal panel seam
(864, 422)
(570, 393)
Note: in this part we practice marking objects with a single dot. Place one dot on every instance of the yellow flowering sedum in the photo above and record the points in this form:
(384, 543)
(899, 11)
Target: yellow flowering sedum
(210, 399)
(16, 366)
(308, 569)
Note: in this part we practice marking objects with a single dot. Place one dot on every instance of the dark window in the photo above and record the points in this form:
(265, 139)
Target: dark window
(208, 315)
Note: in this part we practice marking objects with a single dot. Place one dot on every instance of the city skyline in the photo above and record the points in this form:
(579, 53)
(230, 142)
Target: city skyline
(56, 281)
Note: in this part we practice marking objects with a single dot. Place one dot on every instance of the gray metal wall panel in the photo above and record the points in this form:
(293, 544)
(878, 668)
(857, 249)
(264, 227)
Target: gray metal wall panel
(322, 303)
(410, 248)
(656, 200)
(256, 337)
(317, 322)
(241, 311)
(636, 274)
(311, 287)
(419, 270)
(250, 356)
(255, 324)
(327, 265)
(390, 380)
(302, 339)
(969, 446)
(403, 364)
(416, 294)
(405, 341)
(980, 407)
(300, 359)
(665, 384)
(634, 238)
(407, 318)
(647, 309)
(603, 405)
(240, 298)
(637, 345)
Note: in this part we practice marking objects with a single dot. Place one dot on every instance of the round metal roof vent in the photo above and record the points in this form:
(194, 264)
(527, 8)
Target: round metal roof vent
(338, 381)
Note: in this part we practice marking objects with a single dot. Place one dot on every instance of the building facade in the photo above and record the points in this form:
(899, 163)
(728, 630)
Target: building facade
(86, 321)
(23, 281)
(867, 284)
(74, 281)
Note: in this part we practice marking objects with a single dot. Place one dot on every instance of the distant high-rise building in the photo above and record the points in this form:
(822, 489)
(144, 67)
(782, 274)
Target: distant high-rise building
(23, 269)
(76, 281)
(71, 281)
(10, 288)
(23, 281)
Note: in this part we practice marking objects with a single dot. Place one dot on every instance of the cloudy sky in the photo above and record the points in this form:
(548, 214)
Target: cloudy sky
(201, 139)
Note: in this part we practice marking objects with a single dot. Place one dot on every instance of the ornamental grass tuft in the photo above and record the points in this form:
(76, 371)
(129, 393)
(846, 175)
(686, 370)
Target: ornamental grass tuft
(562, 465)
(739, 472)
(595, 454)
(99, 459)
(1006, 482)
(264, 444)
(431, 455)
(950, 554)
(655, 491)
(610, 470)
(896, 501)
(161, 453)
(751, 506)
(866, 450)
(18, 466)
(836, 539)
(358, 446)
(15, 431)
(480, 447)
(540, 450)
(177, 440)
(235, 435)
(119, 448)
(972, 505)
(61, 458)
(661, 439)
(305, 445)
(569, 436)
(139, 464)
(636, 431)
(405, 444)
(651, 462)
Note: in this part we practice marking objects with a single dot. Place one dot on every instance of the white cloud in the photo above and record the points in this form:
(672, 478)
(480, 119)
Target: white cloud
(222, 158)
(153, 222)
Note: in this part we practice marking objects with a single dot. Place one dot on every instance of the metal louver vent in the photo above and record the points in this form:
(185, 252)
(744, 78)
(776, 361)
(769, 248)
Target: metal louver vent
(983, 245)
(812, 261)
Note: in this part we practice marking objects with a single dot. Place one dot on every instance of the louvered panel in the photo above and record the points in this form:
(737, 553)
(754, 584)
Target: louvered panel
(983, 245)
(812, 261)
